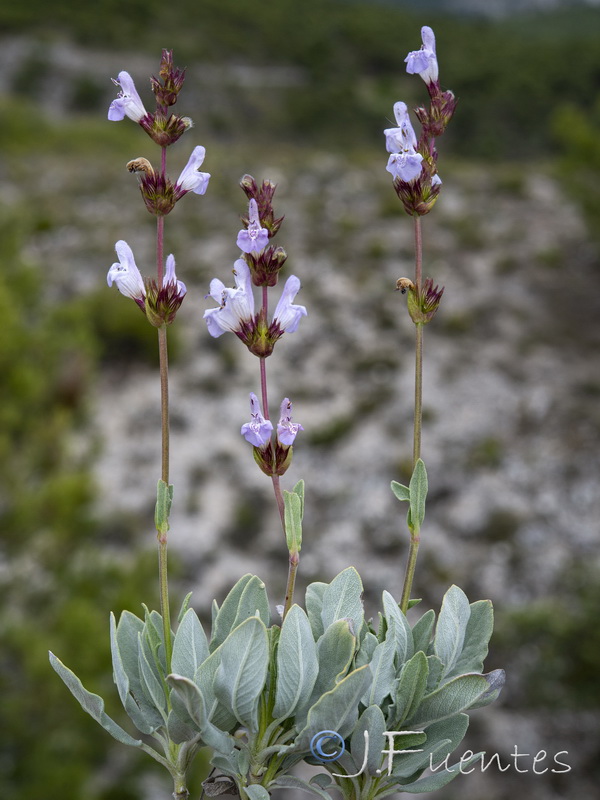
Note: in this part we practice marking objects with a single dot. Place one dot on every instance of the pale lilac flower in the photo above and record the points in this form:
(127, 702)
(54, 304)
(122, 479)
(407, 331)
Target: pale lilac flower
(423, 62)
(191, 180)
(404, 162)
(405, 166)
(236, 306)
(128, 102)
(258, 430)
(171, 278)
(255, 238)
(286, 429)
(126, 275)
(403, 137)
(436, 180)
(287, 316)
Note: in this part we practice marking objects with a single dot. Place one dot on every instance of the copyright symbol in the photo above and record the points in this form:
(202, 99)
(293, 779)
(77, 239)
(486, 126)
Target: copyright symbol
(321, 739)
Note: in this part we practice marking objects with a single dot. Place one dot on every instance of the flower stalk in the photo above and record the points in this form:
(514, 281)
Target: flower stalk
(413, 166)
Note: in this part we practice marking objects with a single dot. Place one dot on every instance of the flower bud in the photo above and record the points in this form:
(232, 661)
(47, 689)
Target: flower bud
(167, 92)
(422, 305)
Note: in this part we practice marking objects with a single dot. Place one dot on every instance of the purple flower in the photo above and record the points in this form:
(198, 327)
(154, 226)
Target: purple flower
(191, 180)
(171, 278)
(403, 137)
(287, 316)
(423, 62)
(126, 275)
(404, 162)
(236, 306)
(258, 430)
(255, 238)
(128, 102)
(436, 180)
(286, 429)
(405, 166)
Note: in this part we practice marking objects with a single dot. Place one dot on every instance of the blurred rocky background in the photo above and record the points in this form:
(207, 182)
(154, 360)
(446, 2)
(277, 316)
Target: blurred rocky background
(300, 94)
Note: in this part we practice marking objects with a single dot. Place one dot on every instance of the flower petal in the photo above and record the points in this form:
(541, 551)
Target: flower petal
(128, 101)
(288, 316)
(258, 430)
(125, 273)
(286, 429)
(191, 180)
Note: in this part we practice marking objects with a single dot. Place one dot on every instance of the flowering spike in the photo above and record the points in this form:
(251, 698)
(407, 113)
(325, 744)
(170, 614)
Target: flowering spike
(423, 62)
(258, 430)
(254, 238)
(286, 429)
(128, 102)
(191, 179)
(126, 275)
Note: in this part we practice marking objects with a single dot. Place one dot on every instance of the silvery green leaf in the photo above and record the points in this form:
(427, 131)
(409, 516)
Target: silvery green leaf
(127, 639)
(495, 681)
(400, 630)
(190, 647)
(228, 766)
(154, 637)
(299, 490)
(214, 610)
(422, 631)
(253, 602)
(410, 689)
(335, 650)
(187, 693)
(180, 732)
(122, 682)
(256, 792)
(457, 695)
(431, 783)
(92, 703)
(337, 710)
(292, 782)
(402, 492)
(451, 627)
(241, 675)
(418, 495)
(226, 614)
(373, 722)
(294, 510)
(184, 607)
(442, 739)
(297, 664)
(435, 673)
(313, 601)
(366, 650)
(477, 636)
(243, 760)
(383, 672)
(164, 498)
(204, 678)
(342, 599)
(151, 681)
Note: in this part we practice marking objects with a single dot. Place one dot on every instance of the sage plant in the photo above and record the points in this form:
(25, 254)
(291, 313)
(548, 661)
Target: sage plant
(270, 687)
